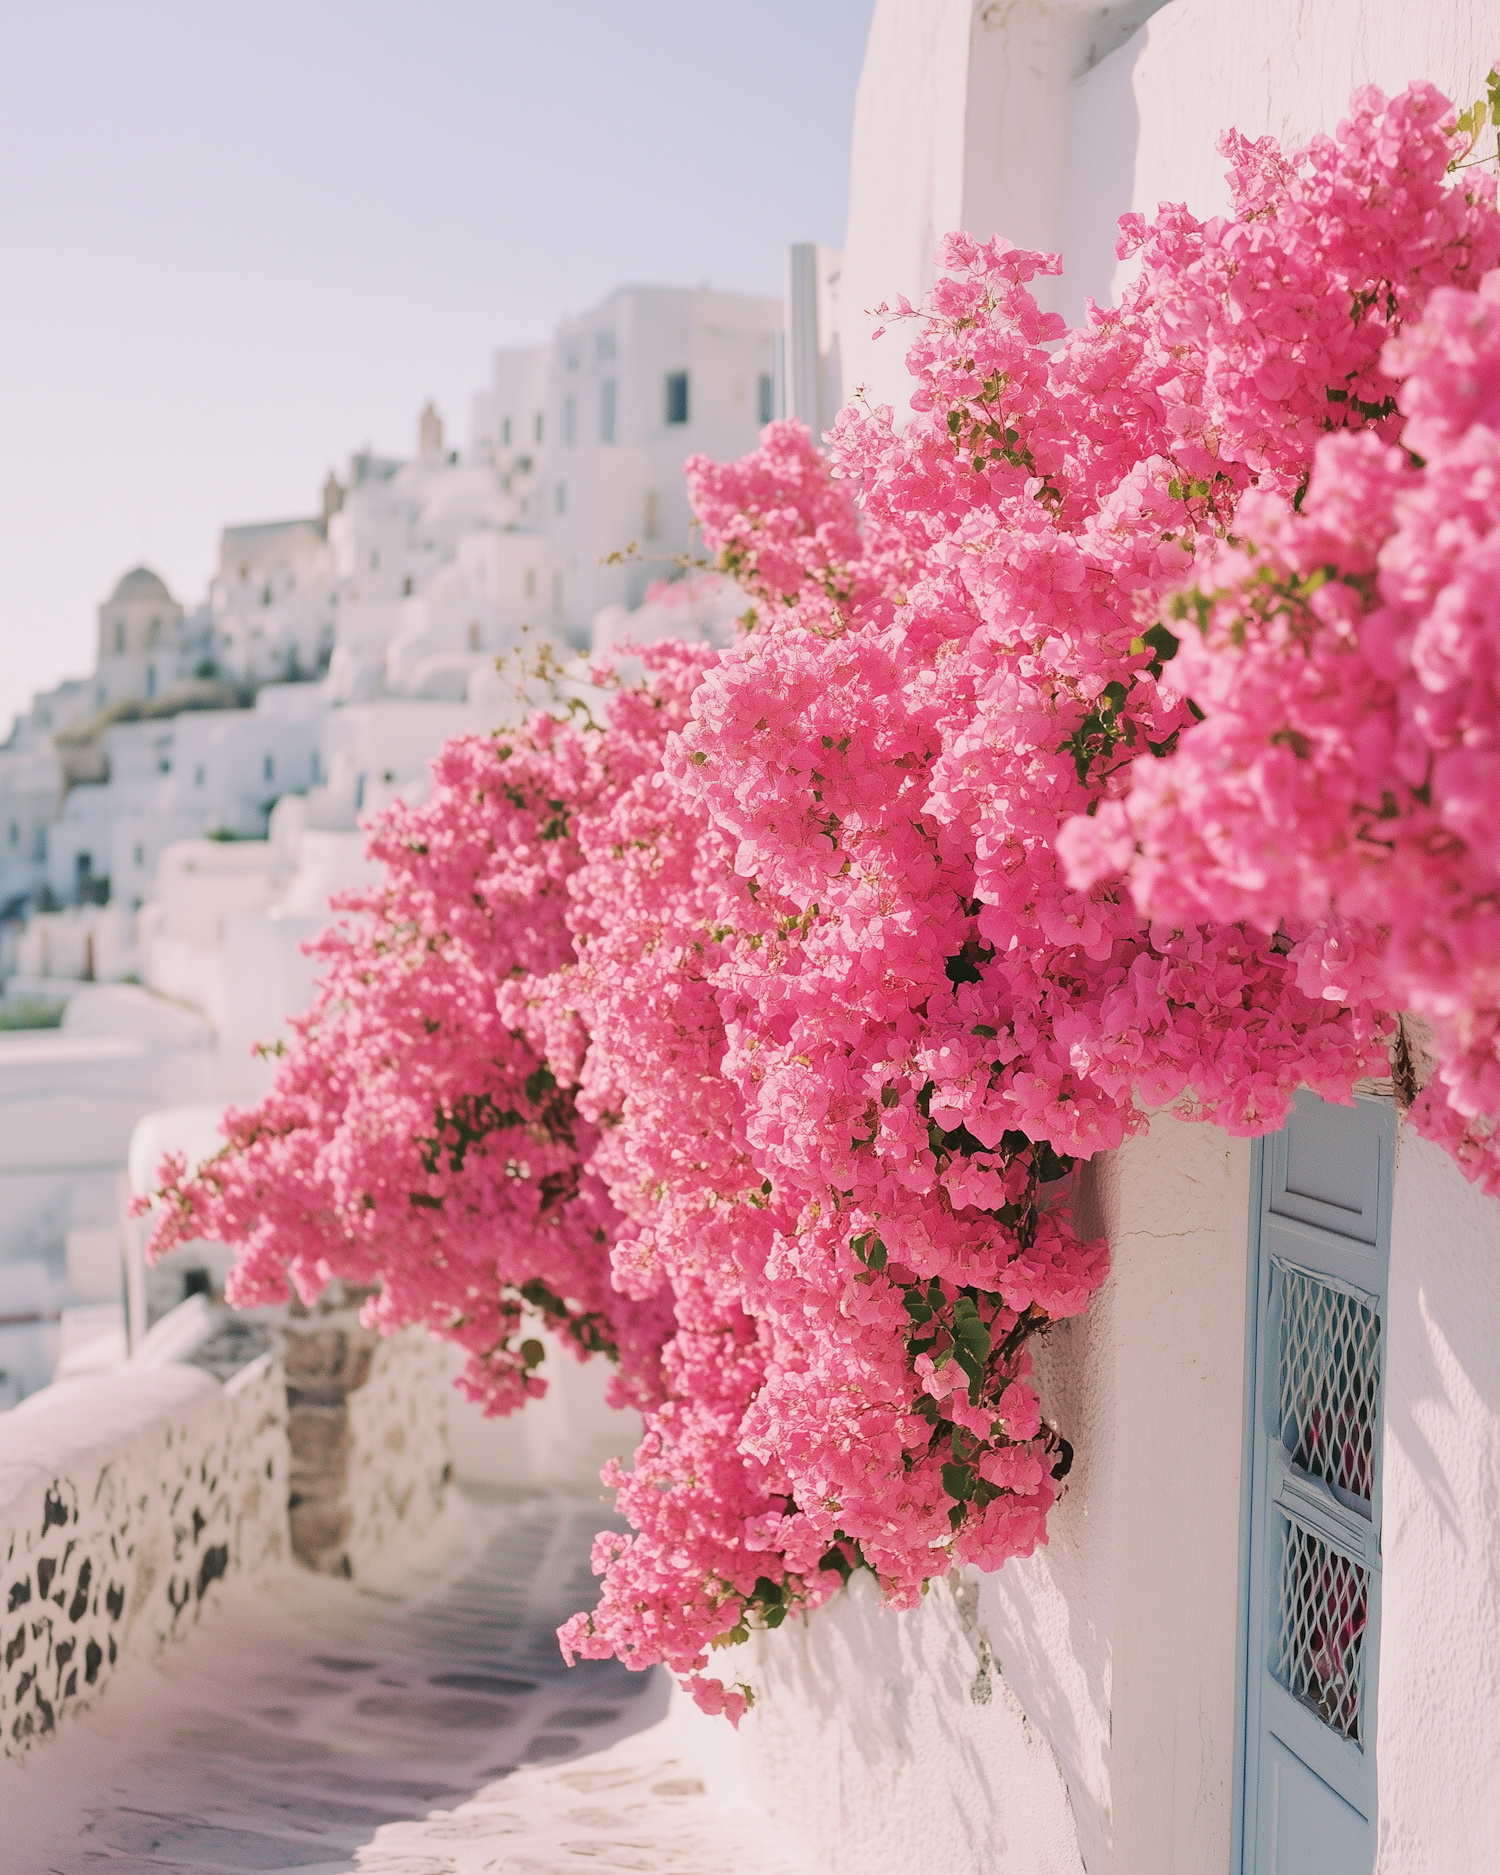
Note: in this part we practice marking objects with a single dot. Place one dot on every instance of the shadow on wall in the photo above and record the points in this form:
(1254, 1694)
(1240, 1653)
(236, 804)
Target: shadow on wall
(935, 1766)
(1442, 1403)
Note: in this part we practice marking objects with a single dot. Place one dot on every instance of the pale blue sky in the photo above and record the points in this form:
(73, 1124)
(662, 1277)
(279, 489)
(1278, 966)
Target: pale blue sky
(238, 241)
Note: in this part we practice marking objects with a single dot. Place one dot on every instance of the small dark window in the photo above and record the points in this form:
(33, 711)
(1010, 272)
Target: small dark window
(677, 397)
(537, 426)
(406, 587)
(270, 767)
(607, 411)
(561, 497)
(570, 420)
(767, 391)
(505, 432)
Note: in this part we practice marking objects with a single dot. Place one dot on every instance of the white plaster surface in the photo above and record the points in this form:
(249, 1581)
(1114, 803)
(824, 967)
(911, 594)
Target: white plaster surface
(1438, 1724)
(960, 122)
(1283, 68)
(888, 1742)
(561, 1442)
(1045, 120)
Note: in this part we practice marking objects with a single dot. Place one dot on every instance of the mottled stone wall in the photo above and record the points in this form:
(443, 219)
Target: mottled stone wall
(367, 1432)
(128, 1500)
(399, 1461)
(125, 1501)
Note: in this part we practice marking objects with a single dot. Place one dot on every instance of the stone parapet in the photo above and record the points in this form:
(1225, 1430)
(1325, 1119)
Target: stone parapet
(126, 1500)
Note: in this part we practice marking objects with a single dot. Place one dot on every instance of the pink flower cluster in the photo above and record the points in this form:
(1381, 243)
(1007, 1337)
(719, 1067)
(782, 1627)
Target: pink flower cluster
(1345, 785)
(412, 1140)
(751, 1037)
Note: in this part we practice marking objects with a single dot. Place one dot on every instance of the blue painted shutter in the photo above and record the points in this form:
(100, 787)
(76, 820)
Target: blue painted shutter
(1322, 1248)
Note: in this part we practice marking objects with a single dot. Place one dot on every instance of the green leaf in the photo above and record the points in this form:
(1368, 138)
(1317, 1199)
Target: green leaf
(539, 1084)
(869, 1249)
(958, 1481)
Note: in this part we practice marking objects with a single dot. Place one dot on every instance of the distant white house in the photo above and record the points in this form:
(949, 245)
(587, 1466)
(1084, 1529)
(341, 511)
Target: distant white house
(210, 772)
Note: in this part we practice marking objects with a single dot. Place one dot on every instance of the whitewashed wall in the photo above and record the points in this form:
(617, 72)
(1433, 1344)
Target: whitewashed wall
(129, 1501)
(1438, 1749)
(1045, 120)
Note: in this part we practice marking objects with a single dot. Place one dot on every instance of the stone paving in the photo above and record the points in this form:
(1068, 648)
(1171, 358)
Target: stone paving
(423, 1724)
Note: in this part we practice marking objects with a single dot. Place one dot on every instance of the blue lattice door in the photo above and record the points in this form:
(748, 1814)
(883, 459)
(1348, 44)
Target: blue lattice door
(1313, 1605)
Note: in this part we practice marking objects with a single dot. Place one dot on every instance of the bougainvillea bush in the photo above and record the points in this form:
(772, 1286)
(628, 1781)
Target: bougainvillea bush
(750, 1035)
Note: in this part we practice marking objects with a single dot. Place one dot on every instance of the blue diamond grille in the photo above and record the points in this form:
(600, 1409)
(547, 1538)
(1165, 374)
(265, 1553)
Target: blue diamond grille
(1330, 1383)
(1320, 1645)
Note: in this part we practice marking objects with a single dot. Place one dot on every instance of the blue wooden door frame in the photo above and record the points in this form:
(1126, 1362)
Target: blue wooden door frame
(1268, 1163)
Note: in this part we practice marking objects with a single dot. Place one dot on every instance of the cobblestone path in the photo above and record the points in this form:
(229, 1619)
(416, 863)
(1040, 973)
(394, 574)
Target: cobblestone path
(420, 1725)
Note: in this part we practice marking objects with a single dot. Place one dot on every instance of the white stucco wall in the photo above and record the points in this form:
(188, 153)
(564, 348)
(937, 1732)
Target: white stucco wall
(1110, 1741)
(1143, 122)
(1045, 120)
(124, 1501)
(1438, 1744)
(960, 122)
(879, 1746)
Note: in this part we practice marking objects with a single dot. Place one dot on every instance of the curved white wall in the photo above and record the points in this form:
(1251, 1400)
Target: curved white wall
(960, 122)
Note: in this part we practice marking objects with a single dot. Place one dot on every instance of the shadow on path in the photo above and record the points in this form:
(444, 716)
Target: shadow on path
(424, 1725)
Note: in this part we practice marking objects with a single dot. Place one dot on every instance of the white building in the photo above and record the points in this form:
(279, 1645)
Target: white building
(647, 378)
(272, 600)
(208, 772)
(31, 791)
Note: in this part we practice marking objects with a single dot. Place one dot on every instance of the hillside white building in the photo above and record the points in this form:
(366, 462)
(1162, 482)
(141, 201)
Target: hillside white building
(635, 386)
(208, 772)
(418, 573)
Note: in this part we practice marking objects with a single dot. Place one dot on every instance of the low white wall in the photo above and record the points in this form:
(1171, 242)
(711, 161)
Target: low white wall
(124, 1502)
(560, 1442)
(128, 1500)
(1438, 1744)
